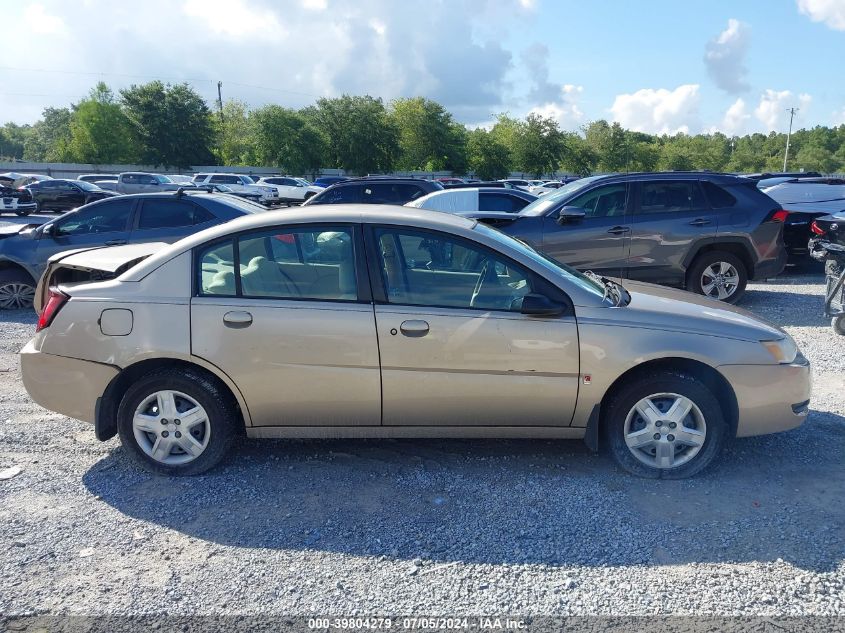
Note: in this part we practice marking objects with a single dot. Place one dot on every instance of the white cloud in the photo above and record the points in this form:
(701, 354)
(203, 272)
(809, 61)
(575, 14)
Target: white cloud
(838, 117)
(235, 19)
(736, 120)
(724, 57)
(38, 21)
(771, 111)
(566, 110)
(315, 5)
(831, 12)
(658, 111)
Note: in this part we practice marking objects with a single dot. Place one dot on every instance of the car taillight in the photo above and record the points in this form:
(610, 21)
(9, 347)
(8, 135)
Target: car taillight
(54, 303)
(779, 216)
(815, 228)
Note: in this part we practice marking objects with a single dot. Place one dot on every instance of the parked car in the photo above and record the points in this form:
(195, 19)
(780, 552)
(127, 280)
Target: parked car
(291, 189)
(164, 217)
(139, 182)
(477, 199)
(709, 233)
(474, 184)
(450, 181)
(424, 325)
(544, 187)
(95, 178)
(180, 179)
(806, 199)
(781, 174)
(14, 179)
(246, 195)
(517, 182)
(327, 181)
(18, 201)
(58, 194)
(375, 190)
(238, 182)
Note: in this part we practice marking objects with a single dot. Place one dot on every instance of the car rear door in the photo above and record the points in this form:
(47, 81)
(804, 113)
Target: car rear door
(671, 218)
(601, 239)
(455, 348)
(286, 313)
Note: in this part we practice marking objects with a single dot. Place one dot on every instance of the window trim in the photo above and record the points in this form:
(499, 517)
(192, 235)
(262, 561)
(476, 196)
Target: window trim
(377, 282)
(695, 182)
(362, 279)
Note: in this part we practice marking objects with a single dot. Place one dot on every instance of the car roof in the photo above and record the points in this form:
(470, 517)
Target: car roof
(323, 214)
(712, 176)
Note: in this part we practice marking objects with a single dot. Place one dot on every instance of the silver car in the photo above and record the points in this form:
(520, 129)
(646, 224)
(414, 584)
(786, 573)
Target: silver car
(380, 321)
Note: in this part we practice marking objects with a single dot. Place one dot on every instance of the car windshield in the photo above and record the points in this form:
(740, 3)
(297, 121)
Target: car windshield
(590, 284)
(87, 186)
(248, 180)
(223, 188)
(541, 205)
(302, 181)
(162, 179)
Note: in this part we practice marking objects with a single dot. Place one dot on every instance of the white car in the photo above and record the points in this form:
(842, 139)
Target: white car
(180, 179)
(545, 187)
(239, 182)
(292, 189)
(474, 199)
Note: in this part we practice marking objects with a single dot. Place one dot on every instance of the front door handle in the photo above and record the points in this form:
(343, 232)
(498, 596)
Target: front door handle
(619, 230)
(700, 222)
(414, 328)
(237, 319)
(115, 242)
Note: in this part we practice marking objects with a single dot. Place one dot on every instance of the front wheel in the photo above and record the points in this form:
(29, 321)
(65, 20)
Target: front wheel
(838, 323)
(665, 425)
(21, 212)
(176, 422)
(718, 275)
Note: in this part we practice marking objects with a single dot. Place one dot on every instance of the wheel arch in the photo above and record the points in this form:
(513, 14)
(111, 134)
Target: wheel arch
(735, 246)
(105, 424)
(706, 373)
(8, 264)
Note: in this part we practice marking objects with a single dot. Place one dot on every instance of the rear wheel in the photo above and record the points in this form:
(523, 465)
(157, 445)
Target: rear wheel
(838, 323)
(176, 422)
(17, 289)
(718, 275)
(665, 425)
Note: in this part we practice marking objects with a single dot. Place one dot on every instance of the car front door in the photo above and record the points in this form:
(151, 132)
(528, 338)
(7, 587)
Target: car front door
(455, 348)
(671, 217)
(598, 241)
(286, 313)
(104, 223)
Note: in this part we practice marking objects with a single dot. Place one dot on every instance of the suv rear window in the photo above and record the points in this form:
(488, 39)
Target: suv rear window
(718, 197)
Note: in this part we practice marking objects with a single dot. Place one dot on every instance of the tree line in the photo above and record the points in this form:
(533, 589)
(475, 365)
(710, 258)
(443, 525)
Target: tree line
(172, 125)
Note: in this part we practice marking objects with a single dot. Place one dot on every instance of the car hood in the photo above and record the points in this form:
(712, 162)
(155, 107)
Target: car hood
(659, 307)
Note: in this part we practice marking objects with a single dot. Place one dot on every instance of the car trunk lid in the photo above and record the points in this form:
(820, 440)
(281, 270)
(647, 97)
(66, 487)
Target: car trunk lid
(98, 263)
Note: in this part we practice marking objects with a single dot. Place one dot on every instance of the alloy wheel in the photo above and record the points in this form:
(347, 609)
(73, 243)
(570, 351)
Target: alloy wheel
(171, 427)
(15, 295)
(719, 280)
(665, 430)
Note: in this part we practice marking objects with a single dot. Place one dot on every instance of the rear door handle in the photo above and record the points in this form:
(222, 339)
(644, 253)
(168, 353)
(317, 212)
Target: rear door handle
(237, 319)
(414, 328)
(700, 222)
(115, 242)
(619, 230)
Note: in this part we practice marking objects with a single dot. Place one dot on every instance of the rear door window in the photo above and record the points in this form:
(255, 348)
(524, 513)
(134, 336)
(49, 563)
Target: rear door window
(675, 196)
(157, 214)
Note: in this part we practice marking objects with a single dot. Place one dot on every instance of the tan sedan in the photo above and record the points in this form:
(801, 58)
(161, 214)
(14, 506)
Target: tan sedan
(364, 321)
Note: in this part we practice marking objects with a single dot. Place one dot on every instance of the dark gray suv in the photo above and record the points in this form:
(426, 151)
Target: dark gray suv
(709, 233)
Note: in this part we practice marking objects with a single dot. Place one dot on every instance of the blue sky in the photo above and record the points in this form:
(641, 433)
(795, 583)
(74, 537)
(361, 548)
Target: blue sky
(641, 63)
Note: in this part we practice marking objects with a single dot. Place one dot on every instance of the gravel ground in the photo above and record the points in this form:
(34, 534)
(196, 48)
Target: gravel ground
(428, 527)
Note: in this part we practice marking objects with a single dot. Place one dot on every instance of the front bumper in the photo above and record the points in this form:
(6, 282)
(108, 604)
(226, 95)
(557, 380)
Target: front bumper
(770, 398)
(65, 385)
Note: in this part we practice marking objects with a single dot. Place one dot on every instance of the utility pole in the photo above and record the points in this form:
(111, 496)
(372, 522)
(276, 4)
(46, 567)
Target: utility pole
(220, 99)
(792, 112)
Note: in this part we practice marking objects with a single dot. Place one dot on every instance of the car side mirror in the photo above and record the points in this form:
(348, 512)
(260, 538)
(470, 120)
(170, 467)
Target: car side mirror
(570, 214)
(48, 230)
(540, 305)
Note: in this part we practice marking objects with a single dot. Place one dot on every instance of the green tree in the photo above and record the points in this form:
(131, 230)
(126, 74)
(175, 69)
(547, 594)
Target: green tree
(429, 139)
(539, 145)
(13, 138)
(286, 138)
(578, 157)
(609, 144)
(170, 124)
(507, 131)
(235, 141)
(50, 137)
(99, 130)
(488, 158)
(815, 158)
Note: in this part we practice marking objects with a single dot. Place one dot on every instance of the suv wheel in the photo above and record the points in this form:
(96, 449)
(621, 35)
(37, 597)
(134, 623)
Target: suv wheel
(718, 275)
(665, 425)
(176, 422)
(17, 289)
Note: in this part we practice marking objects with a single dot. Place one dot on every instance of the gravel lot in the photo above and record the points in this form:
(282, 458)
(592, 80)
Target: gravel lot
(428, 527)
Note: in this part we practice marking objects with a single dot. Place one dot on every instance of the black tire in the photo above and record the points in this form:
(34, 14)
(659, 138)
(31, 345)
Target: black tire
(216, 401)
(21, 212)
(838, 324)
(13, 295)
(38, 206)
(309, 194)
(704, 261)
(674, 382)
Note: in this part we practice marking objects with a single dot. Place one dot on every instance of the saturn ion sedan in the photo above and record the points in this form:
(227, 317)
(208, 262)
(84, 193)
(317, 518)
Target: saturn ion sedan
(379, 321)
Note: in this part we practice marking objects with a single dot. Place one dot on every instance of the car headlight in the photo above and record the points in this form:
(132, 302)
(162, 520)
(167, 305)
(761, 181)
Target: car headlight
(783, 350)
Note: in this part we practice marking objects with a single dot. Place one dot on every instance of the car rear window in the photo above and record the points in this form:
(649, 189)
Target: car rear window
(718, 197)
